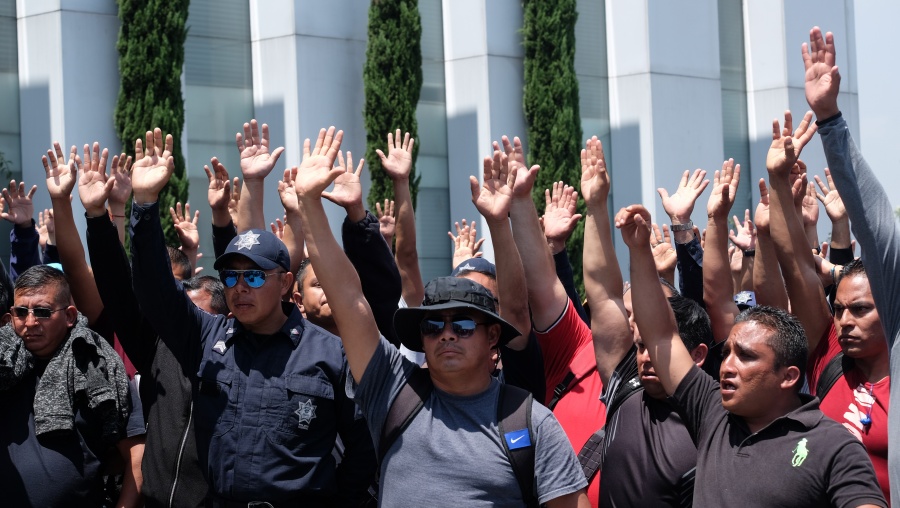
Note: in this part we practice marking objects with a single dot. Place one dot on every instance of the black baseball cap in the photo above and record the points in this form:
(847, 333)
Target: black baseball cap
(259, 246)
(449, 293)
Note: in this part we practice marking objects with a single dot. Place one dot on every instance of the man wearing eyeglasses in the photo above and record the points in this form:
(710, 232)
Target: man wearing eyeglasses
(269, 399)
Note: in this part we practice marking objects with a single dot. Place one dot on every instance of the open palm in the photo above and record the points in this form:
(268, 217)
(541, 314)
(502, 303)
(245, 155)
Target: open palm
(60, 174)
(256, 160)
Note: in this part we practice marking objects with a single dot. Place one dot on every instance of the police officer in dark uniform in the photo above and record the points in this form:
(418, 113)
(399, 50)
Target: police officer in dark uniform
(270, 399)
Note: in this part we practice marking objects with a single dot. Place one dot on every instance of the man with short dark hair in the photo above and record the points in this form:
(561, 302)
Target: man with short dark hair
(207, 293)
(760, 442)
(181, 265)
(65, 398)
(269, 402)
(450, 453)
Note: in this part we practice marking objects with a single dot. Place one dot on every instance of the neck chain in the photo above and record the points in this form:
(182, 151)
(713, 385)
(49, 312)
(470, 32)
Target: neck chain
(866, 419)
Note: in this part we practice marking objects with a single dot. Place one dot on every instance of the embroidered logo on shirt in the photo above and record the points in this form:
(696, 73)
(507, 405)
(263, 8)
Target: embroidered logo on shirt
(517, 439)
(220, 347)
(247, 240)
(305, 414)
(800, 453)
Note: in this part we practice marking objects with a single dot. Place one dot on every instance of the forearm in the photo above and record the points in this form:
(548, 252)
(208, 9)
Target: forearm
(690, 269)
(746, 282)
(840, 234)
(293, 239)
(767, 281)
(132, 450)
(654, 318)
(407, 255)
(546, 295)
(812, 236)
(222, 235)
(117, 215)
(718, 285)
(24, 249)
(250, 207)
(220, 217)
(72, 258)
(341, 284)
(567, 278)
(510, 282)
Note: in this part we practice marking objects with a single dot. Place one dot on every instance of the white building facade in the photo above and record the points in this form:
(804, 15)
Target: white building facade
(666, 85)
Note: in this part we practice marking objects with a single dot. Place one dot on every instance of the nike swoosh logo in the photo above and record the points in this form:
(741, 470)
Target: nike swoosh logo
(514, 441)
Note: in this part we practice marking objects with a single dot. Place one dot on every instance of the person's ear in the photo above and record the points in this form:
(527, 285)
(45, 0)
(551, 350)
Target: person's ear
(791, 377)
(699, 354)
(5, 319)
(494, 335)
(71, 316)
(287, 283)
(298, 301)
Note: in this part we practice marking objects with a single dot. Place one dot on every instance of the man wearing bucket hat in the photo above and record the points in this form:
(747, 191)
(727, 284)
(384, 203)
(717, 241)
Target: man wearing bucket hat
(450, 452)
(268, 398)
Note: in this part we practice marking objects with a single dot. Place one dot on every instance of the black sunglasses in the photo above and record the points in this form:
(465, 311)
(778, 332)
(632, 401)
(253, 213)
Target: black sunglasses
(462, 326)
(39, 312)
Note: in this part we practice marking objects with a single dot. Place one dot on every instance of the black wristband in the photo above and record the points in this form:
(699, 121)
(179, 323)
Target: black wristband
(832, 118)
(750, 253)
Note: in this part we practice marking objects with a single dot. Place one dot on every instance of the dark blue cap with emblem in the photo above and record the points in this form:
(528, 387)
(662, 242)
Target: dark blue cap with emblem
(259, 246)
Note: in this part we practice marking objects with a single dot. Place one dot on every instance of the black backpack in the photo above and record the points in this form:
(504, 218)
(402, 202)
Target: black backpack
(513, 416)
(836, 368)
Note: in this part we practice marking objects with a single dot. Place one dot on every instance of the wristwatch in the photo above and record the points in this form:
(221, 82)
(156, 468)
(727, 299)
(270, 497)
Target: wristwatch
(687, 226)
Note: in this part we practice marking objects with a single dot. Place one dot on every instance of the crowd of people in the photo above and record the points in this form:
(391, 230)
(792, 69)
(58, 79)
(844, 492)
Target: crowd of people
(309, 373)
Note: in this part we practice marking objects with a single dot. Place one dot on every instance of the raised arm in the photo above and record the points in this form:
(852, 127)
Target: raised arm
(493, 199)
(768, 284)
(792, 247)
(292, 234)
(559, 222)
(546, 295)
(744, 239)
(679, 207)
(339, 280)
(18, 208)
(603, 283)
(223, 198)
(837, 213)
(186, 228)
(652, 313)
(93, 188)
(718, 288)
(398, 166)
(120, 173)
(256, 164)
(466, 244)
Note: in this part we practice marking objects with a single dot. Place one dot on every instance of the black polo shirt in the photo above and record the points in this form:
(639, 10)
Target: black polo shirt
(801, 459)
(648, 448)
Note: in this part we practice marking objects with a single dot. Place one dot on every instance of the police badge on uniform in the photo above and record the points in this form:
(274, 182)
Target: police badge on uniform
(305, 414)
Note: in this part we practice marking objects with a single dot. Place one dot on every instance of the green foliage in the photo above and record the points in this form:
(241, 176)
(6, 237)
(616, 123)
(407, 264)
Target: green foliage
(392, 80)
(151, 56)
(551, 104)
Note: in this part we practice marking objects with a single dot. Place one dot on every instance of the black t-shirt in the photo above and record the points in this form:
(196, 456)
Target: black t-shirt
(56, 469)
(802, 459)
(525, 369)
(648, 449)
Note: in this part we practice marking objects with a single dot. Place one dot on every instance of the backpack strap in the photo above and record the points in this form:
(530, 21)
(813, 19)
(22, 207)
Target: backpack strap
(593, 452)
(405, 407)
(561, 389)
(832, 372)
(686, 488)
(517, 434)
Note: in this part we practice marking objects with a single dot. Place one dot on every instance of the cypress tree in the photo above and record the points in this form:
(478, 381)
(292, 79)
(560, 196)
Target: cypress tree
(151, 56)
(392, 80)
(551, 104)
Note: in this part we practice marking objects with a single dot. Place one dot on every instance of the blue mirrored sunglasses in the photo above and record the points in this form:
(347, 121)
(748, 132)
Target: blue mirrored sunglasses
(462, 327)
(254, 278)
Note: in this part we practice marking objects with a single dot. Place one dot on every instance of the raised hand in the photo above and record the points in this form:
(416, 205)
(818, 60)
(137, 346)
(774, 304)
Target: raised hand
(735, 261)
(465, 243)
(559, 218)
(823, 80)
(761, 217)
(680, 205)
(493, 198)
(317, 170)
(398, 162)
(634, 223)
(785, 149)
(521, 176)
(725, 184)
(153, 166)
(594, 177)
(94, 186)
(664, 255)
(745, 237)
(286, 191)
(834, 205)
(61, 175)
(120, 174)
(256, 161)
(386, 221)
(810, 206)
(278, 228)
(347, 190)
(46, 228)
(19, 206)
(235, 200)
(219, 193)
(185, 227)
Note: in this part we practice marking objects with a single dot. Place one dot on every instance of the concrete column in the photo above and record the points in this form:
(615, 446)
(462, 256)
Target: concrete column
(307, 73)
(68, 81)
(665, 99)
(484, 74)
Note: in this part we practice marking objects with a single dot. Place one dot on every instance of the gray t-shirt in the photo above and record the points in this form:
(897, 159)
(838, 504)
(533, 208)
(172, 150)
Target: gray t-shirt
(452, 454)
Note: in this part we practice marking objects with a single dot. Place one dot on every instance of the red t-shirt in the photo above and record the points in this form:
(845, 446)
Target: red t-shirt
(568, 346)
(850, 399)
